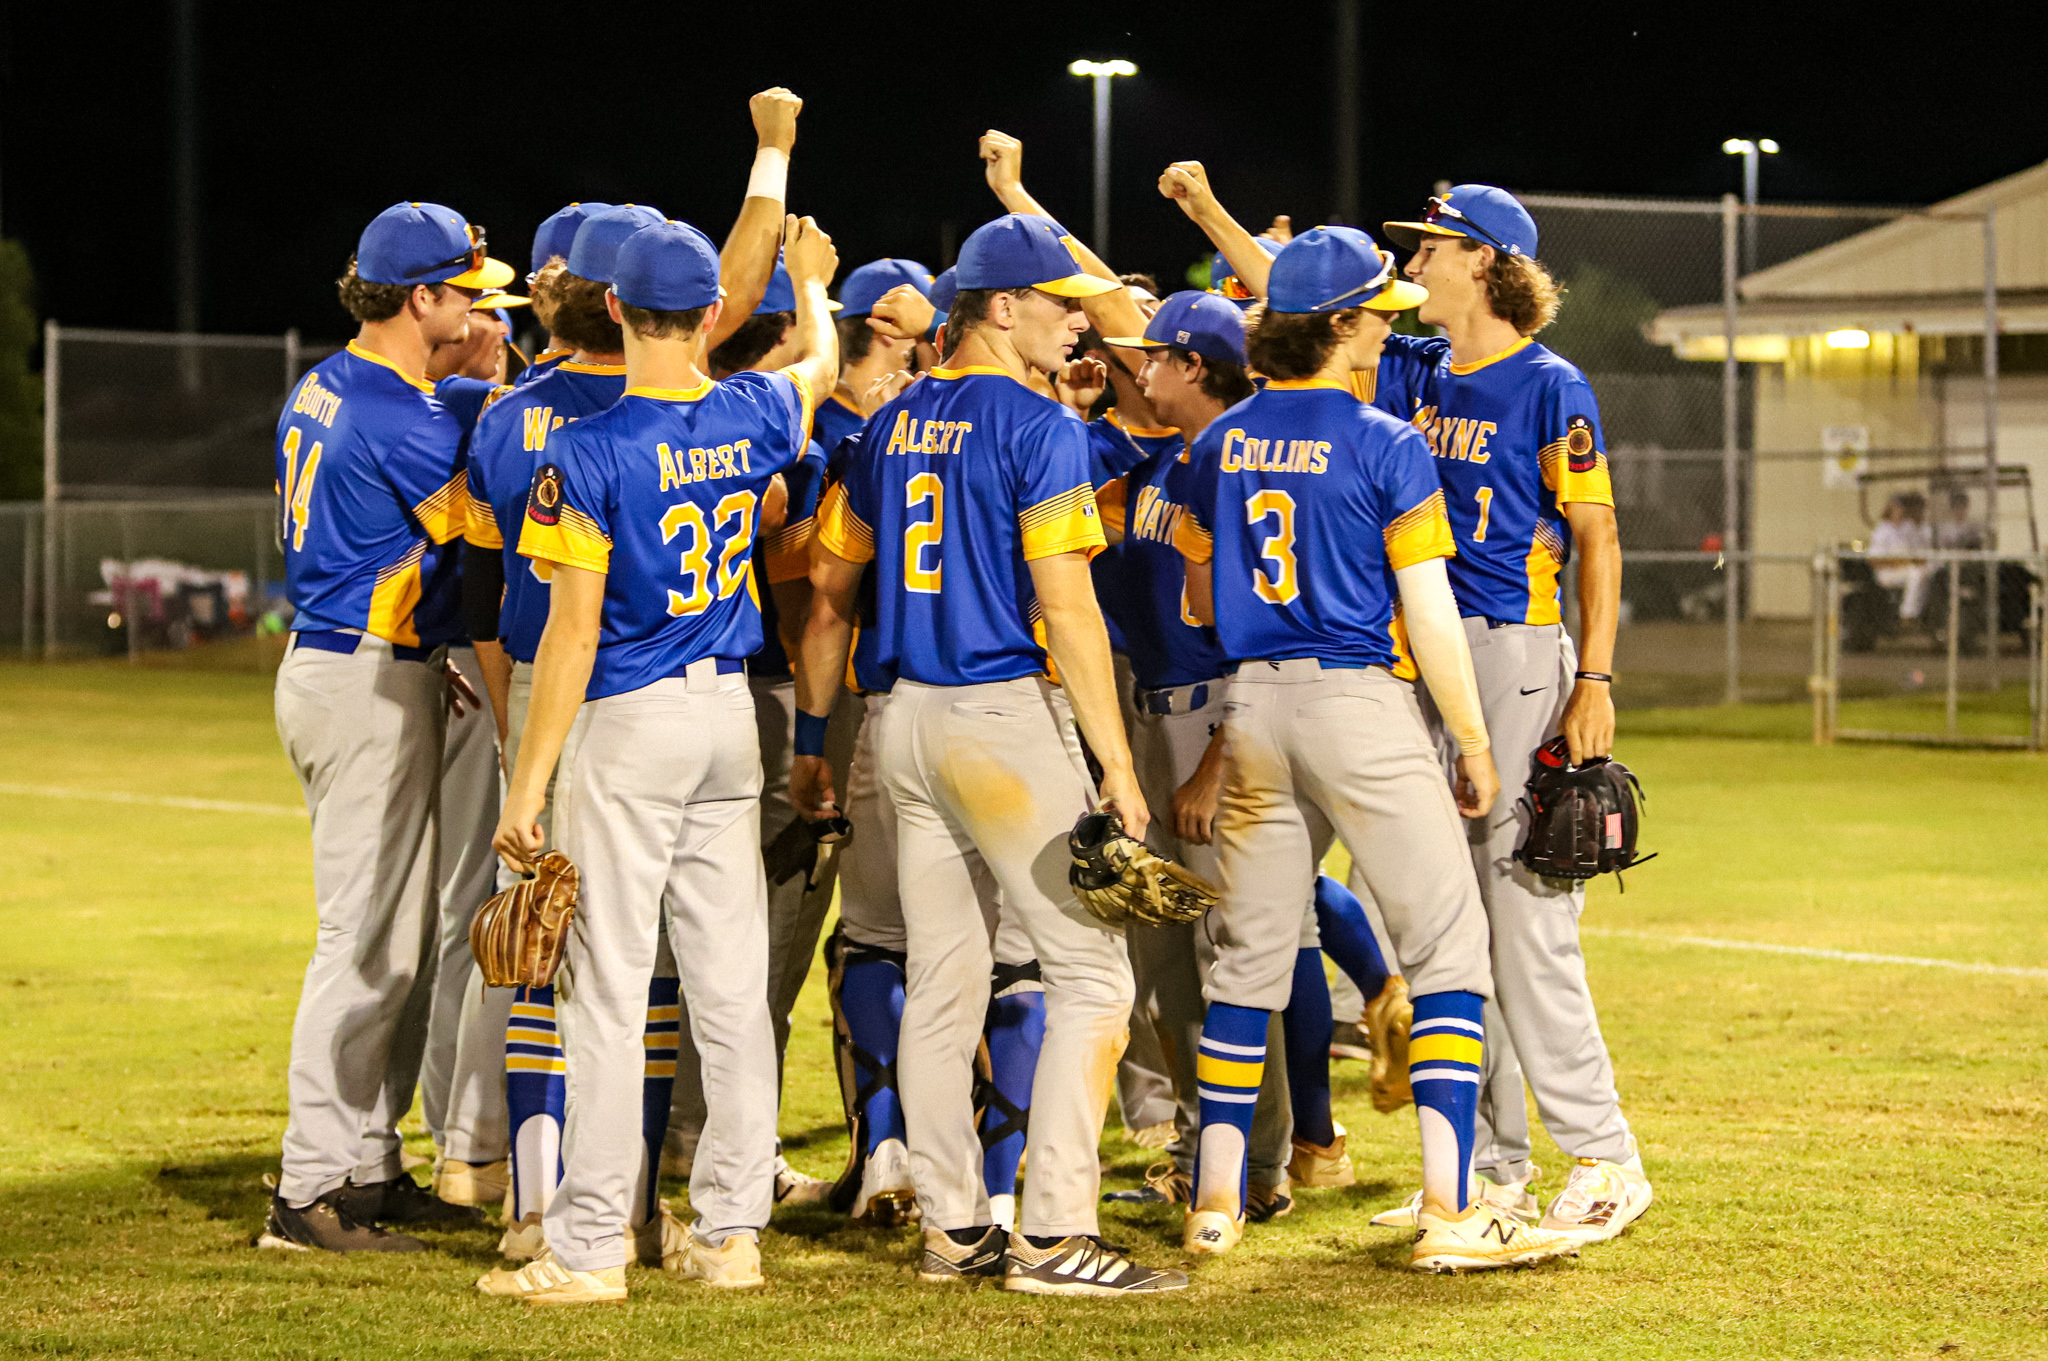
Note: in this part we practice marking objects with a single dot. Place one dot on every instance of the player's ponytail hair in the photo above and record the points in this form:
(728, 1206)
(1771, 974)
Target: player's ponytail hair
(579, 317)
(1295, 345)
(1519, 290)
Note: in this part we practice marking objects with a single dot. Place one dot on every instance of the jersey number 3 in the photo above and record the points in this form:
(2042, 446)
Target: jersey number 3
(1283, 586)
(922, 534)
(705, 583)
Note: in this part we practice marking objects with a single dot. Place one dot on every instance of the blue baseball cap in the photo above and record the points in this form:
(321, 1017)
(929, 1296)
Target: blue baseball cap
(425, 243)
(1223, 279)
(1208, 325)
(556, 235)
(945, 288)
(1490, 216)
(594, 254)
(1017, 251)
(865, 286)
(1333, 269)
(668, 267)
(781, 294)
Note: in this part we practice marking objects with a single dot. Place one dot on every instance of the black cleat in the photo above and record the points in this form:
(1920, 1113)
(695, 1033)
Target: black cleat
(946, 1260)
(402, 1201)
(325, 1227)
(1082, 1265)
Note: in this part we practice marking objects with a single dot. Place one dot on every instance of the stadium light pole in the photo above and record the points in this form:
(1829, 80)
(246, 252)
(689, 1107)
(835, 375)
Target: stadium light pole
(1103, 72)
(1752, 154)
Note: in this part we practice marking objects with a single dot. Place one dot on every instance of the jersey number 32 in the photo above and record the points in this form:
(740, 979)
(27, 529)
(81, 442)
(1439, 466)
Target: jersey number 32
(729, 532)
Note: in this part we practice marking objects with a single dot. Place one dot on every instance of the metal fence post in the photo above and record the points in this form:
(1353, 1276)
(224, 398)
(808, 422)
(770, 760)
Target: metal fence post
(1955, 636)
(291, 358)
(1833, 670)
(1730, 486)
(1991, 445)
(31, 528)
(51, 335)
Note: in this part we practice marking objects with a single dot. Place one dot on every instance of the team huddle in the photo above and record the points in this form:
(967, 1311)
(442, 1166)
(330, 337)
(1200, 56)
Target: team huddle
(740, 601)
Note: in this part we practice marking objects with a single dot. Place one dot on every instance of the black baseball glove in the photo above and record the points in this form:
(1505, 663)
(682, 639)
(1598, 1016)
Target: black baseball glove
(1582, 819)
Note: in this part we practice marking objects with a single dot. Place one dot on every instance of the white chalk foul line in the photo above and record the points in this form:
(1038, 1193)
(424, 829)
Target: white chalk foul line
(1810, 952)
(44, 791)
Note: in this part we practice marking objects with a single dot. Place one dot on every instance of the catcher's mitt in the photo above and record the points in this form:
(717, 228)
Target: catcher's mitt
(517, 936)
(1582, 819)
(1121, 880)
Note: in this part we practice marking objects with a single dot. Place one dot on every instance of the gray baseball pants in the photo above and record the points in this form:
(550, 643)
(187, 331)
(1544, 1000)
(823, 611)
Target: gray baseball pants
(661, 813)
(796, 914)
(462, 1078)
(1316, 753)
(988, 781)
(363, 733)
(1541, 1001)
(1170, 963)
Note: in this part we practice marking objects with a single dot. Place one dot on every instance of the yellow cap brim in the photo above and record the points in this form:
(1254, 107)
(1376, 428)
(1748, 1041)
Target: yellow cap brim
(491, 301)
(1134, 343)
(493, 274)
(1079, 286)
(835, 306)
(1401, 295)
(1409, 234)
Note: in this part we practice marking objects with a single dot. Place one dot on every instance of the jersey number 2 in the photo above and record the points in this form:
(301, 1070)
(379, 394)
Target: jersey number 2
(1284, 585)
(298, 488)
(922, 534)
(698, 574)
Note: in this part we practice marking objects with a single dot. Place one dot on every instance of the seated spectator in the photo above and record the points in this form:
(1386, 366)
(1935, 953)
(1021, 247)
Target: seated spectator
(1896, 545)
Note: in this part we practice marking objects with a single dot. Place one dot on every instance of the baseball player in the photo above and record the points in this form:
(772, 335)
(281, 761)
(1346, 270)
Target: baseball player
(1515, 432)
(551, 244)
(370, 495)
(1315, 537)
(972, 499)
(866, 355)
(647, 511)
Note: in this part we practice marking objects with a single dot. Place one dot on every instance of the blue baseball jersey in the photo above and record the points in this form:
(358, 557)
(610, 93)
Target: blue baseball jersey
(465, 399)
(960, 482)
(1517, 439)
(864, 670)
(834, 422)
(672, 480)
(1305, 503)
(541, 366)
(1115, 448)
(1167, 645)
(510, 442)
(369, 486)
(786, 556)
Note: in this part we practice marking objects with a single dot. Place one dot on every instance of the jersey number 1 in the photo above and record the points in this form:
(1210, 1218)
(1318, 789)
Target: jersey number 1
(1284, 585)
(698, 574)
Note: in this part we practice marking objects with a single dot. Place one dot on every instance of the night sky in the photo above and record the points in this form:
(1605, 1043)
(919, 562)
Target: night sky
(314, 117)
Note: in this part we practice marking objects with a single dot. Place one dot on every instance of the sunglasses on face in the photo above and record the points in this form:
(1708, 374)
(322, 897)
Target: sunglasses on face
(474, 256)
(1233, 287)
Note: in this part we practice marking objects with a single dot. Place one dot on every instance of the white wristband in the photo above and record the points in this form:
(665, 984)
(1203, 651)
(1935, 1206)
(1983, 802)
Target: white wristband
(770, 177)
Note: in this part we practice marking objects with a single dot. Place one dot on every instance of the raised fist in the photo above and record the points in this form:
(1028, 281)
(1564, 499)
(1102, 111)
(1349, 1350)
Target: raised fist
(775, 114)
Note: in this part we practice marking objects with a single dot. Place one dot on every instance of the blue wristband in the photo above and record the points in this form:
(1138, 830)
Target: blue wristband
(810, 733)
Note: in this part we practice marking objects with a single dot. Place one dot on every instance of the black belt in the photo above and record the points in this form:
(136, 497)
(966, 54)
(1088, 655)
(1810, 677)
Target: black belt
(335, 640)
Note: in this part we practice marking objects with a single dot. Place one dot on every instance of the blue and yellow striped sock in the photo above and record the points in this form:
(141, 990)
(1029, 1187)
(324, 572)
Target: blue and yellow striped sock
(1445, 1045)
(536, 1100)
(1228, 1070)
(664, 1031)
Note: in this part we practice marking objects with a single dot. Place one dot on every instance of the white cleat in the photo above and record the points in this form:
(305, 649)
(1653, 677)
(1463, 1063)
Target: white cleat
(887, 1197)
(1483, 1238)
(1210, 1232)
(1313, 1165)
(798, 1188)
(522, 1241)
(1513, 1197)
(1601, 1199)
(734, 1264)
(461, 1183)
(546, 1281)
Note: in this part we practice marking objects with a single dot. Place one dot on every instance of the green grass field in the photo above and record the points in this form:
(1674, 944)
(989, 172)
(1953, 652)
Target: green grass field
(1841, 1150)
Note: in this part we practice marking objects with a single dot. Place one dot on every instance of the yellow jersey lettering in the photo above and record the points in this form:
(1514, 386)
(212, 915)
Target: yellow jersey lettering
(697, 465)
(669, 476)
(1232, 461)
(901, 436)
(1318, 460)
(746, 464)
(535, 419)
(316, 401)
(1479, 453)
